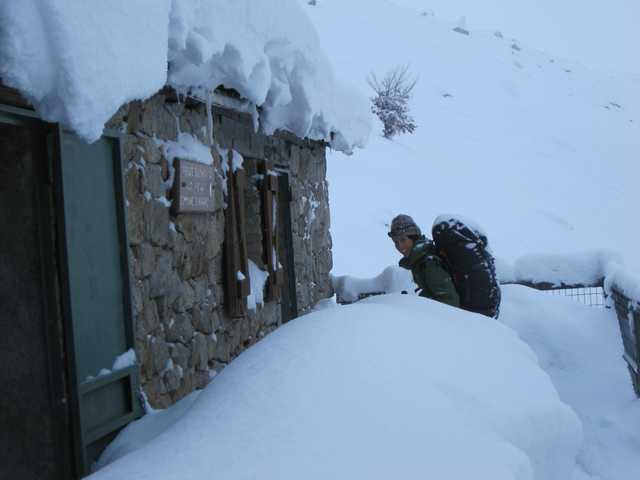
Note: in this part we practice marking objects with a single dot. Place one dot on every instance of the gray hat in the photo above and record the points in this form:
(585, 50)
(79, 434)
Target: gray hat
(403, 225)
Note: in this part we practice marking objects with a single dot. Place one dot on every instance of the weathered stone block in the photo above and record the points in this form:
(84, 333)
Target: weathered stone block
(151, 153)
(180, 355)
(149, 319)
(223, 348)
(201, 378)
(118, 119)
(171, 380)
(214, 271)
(156, 217)
(201, 290)
(186, 387)
(143, 354)
(193, 226)
(201, 320)
(153, 119)
(165, 312)
(163, 279)
(199, 352)
(185, 299)
(215, 236)
(179, 329)
(137, 297)
(212, 342)
(147, 258)
(153, 181)
(159, 351)
(135, 207)
(216, 322)
(196, 261)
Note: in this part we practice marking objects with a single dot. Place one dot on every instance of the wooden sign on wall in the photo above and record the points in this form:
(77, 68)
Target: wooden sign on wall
(193, 187)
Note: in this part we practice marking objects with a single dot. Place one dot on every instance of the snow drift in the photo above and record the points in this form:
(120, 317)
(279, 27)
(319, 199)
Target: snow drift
(581, 349)
(78, 62)
(394, 386)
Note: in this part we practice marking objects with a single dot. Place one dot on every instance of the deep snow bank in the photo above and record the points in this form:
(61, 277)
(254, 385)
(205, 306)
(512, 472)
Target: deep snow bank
(581, 349)
(394, 386)
(78, 62)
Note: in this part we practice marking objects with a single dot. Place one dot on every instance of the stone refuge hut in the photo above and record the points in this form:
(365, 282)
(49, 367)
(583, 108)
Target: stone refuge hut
(190, 321)
(133, 244)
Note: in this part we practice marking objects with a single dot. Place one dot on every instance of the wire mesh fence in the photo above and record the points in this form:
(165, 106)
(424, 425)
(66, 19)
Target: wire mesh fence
(591, 296)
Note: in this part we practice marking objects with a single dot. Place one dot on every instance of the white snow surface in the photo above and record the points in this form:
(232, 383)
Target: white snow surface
(127, 359)
(392, 279)
(344, 392)
(581, 349)
(257, 280)
(587, 268)
(530, 146)
(124, 360)
(146, 429)
(188, 147)
(78, 62)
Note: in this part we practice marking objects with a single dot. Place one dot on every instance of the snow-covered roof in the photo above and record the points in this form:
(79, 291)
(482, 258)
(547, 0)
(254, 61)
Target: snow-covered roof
(77, 62)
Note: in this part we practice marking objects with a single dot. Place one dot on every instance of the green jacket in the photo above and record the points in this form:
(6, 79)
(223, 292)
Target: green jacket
(428, 273)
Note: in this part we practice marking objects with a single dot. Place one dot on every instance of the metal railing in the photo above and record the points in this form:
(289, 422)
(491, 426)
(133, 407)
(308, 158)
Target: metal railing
(628, 313)
(592, 295)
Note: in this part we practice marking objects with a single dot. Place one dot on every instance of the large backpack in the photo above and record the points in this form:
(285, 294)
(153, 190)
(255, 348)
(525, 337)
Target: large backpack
(463, 249)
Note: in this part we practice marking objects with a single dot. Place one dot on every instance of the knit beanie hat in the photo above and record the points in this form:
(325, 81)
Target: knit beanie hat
(403, 225)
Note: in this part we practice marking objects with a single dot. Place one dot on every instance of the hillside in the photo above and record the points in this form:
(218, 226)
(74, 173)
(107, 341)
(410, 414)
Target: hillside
(541, 151)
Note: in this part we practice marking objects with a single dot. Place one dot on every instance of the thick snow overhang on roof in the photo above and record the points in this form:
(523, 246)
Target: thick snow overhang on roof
(77, 62)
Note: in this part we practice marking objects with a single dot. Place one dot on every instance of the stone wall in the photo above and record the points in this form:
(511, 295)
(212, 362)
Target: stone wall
(182, 333)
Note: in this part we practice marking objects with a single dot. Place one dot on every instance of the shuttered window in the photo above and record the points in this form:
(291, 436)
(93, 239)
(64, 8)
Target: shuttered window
(269, 193)
(237, 287)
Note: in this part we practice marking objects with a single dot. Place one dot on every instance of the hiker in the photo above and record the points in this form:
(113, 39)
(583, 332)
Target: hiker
(419, 256)
(458, 258)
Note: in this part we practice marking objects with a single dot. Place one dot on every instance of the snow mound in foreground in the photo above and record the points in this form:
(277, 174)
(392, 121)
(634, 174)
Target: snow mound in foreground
(78, 62)
(393, 386)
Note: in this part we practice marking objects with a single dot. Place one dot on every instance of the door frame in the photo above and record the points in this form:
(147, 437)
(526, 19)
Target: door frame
(66, 391)
(85, 438)
(54, 327)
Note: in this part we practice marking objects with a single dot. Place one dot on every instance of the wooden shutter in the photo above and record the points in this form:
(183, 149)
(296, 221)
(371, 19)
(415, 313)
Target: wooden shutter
(237, 286)
(270, 232)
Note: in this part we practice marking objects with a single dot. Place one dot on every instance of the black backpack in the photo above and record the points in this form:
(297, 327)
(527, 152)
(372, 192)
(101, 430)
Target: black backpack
(463, 251)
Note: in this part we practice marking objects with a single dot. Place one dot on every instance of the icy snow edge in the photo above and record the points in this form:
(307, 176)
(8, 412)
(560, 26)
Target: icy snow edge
(78, 62)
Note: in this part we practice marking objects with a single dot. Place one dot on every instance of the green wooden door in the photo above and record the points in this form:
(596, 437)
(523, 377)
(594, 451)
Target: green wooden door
(97, 287)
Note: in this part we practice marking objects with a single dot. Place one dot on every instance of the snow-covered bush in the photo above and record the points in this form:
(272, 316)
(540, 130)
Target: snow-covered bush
(391, 102)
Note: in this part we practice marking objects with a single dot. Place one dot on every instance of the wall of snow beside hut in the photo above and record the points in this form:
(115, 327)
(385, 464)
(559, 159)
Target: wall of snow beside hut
(61, 54)
(183, 334)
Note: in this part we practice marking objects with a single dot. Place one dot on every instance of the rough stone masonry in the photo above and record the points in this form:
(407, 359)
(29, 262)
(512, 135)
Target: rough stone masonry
(182, 334)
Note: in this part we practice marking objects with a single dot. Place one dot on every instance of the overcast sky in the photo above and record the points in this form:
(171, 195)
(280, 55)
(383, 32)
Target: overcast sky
(601, 34)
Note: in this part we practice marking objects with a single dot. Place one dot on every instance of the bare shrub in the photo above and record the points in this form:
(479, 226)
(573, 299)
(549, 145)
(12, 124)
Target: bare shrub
(391, 102)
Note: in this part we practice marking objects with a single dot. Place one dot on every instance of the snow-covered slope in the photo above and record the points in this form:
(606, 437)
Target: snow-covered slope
(542, 152)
